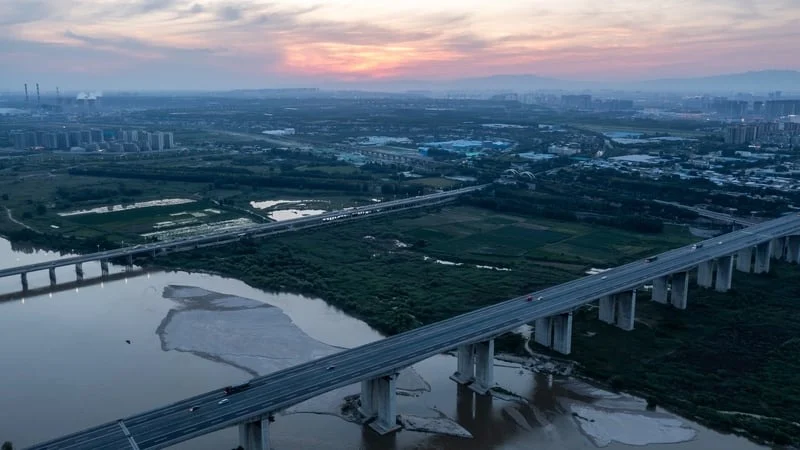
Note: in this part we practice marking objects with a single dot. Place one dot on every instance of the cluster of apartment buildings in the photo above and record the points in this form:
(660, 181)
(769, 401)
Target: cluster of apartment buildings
(93, 140)
(787, 133)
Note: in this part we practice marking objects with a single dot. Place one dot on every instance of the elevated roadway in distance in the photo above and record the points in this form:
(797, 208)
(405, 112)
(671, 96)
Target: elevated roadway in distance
(269, 394)
(727, 218)
(224, 237)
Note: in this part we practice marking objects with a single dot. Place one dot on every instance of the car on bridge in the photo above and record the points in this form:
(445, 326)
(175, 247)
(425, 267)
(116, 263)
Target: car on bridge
(234, 389)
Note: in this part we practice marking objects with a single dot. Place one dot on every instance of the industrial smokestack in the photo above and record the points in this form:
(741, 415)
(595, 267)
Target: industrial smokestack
(38, 99)
(26, 92)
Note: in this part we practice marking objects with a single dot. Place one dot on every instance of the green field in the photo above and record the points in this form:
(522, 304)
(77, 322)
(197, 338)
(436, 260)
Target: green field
(480, 234)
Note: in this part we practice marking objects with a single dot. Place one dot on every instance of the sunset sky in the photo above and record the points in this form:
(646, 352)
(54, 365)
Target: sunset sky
(109, 44)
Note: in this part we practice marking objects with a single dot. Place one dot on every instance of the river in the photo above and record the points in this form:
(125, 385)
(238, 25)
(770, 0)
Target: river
(67, 365)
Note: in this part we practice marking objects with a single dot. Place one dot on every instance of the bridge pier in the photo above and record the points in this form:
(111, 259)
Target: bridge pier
(744, 259)
(484, 367)
(562, 333)
(793, 249)
(607, 309)
(24, 278)
(465, 373)
(626, 310)
(680, 289)
(542, 331)
(79, 271)
(555, 332)
(52, 271)
(660, 291)
(619, 309)
(778, 245)
(705, 273)
(254, 435)
(724, 273)
(379, 400)
(104, 267)
(129, 264)
(763, 255)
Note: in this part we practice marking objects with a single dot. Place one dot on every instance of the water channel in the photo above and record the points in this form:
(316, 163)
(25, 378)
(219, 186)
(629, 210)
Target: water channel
(67, 365)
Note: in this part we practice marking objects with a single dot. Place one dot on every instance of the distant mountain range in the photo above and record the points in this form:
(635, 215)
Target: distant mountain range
(756, 82)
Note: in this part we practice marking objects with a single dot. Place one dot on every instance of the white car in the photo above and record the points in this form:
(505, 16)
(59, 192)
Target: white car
(603, 277)
(223, 401)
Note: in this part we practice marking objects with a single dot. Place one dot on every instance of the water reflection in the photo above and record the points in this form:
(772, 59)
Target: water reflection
(75, 284)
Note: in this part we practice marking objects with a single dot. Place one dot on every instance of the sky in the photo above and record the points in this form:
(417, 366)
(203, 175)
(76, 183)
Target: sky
(224, 44)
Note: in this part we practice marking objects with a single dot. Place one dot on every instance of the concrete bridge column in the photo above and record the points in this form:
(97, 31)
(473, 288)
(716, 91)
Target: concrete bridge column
(608, 308)
(778, 245)
(744, 259)
(724, 273)
(562, 333)
(129, 265)
(52, 276)
(542, 332)
(705, 273)
(680, 289)
(24, 278)
(79, 271)
(626, 310)
(465, 373)
(367, 400)
(484, 367)
(254, 435)
(763, 255)
(660, 290)
(793, 249)
(104, 267)
(384, 403)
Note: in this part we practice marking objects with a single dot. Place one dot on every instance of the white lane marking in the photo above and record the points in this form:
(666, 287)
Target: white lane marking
(128, 435)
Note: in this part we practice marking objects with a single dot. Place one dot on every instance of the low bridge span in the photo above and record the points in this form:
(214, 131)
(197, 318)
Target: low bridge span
(228, 236)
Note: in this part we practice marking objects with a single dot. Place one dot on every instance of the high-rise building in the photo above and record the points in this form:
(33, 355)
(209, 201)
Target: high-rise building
(758, 107)
(576, 101)
(50, 141)
(86, 137)
(122, 136)
(74, 138)
(19, 140)
(779, 108)
(735, 134)
(144, 136)
(31, 139)
(157, 141)
(97, 135)
(169, 140)
(62, 139)
(133, 136)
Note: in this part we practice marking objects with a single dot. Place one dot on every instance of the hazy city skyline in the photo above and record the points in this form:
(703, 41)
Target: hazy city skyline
(152, 44)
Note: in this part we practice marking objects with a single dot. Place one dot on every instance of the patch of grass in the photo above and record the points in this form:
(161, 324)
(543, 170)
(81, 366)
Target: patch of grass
(505, 241)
